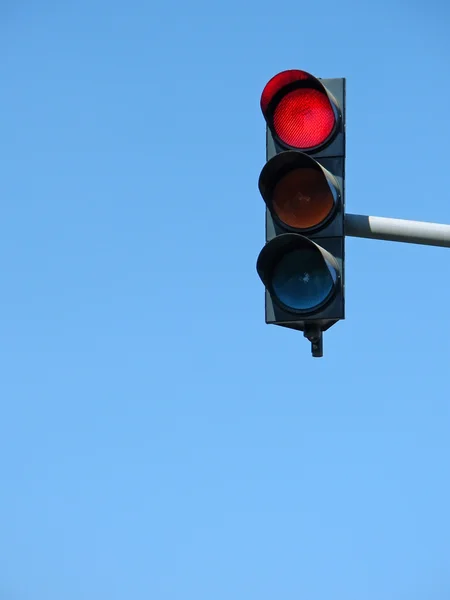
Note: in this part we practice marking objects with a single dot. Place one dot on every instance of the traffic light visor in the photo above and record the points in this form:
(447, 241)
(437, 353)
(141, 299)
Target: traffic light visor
(299, 192)
(298, 110)
(298, 273)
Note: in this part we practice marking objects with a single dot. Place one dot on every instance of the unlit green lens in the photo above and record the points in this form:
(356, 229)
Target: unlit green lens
(302, 279)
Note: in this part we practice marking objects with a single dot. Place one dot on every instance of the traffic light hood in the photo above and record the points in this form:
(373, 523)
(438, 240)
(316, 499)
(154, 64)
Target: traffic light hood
(299, 110)
(300, 194)
(280, 246)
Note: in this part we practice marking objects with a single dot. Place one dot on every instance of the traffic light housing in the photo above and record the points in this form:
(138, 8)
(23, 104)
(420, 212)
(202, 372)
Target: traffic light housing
(302, 265)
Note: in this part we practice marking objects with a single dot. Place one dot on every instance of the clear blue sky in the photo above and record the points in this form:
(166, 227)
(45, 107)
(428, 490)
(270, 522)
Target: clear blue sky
(157, 439)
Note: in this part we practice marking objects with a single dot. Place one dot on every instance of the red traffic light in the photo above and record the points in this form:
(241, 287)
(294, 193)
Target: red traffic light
(298, 110)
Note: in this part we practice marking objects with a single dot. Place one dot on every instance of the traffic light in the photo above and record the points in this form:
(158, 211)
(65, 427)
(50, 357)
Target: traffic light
(302, 184)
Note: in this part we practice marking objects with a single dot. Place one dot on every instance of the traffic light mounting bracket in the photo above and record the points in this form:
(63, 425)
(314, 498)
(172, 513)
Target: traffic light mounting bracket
(314, 334)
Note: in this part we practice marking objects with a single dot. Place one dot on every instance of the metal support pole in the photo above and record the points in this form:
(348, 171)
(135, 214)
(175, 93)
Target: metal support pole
(397, 230)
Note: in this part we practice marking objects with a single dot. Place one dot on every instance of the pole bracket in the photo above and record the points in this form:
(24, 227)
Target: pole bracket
(314, 334)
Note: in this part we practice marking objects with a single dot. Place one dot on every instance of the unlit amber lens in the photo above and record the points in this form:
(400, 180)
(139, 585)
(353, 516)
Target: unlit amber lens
(303, 199)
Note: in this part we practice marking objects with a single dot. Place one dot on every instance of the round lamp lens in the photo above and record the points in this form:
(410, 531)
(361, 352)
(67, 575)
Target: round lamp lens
(302, 280)
(302, 199)
(304, 118)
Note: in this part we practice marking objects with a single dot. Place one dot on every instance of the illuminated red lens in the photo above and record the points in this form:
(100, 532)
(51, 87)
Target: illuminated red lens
(304, 118)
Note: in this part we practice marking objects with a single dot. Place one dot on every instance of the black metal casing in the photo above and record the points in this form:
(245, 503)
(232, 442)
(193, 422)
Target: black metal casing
(332, 236)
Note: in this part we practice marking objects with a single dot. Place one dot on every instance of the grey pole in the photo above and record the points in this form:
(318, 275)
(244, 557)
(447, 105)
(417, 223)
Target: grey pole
(397, 230)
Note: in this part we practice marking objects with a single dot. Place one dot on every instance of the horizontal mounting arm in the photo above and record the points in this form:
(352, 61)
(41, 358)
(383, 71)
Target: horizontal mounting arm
(397, 230)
